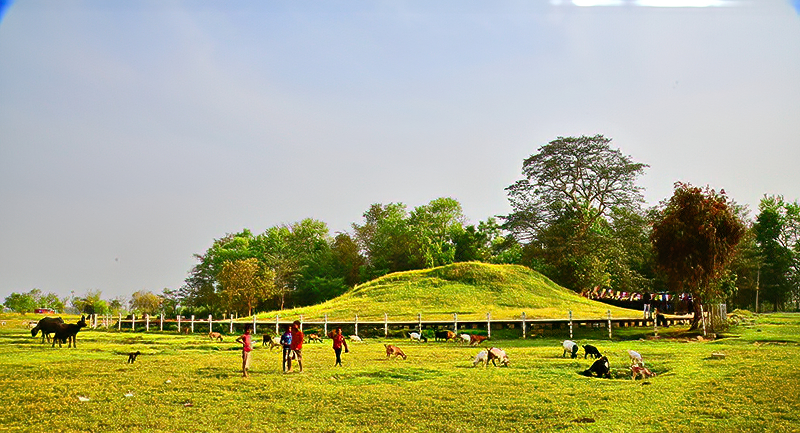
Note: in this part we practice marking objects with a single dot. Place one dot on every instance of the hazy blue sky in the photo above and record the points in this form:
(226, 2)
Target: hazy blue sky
(132, 134)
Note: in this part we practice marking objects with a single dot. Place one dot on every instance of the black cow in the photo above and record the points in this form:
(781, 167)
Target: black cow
(47, 325)
(600, 367)
(66, 333)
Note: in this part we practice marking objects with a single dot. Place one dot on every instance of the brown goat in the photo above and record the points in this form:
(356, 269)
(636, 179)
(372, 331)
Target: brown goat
(391, 349)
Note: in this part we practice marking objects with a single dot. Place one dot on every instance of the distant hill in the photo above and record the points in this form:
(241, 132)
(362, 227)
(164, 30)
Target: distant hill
(469, 289)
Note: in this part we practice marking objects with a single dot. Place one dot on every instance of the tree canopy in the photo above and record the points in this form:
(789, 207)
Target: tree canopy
(695, 237)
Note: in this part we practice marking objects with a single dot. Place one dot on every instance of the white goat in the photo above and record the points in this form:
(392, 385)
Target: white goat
(570, 347)
(481, 358)
(416, 336)
(636, 358)
(356, 338)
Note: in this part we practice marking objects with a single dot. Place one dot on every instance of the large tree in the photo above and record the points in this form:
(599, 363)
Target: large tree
(695, 236)
(245, 283)
(565, 207)
(777, 233)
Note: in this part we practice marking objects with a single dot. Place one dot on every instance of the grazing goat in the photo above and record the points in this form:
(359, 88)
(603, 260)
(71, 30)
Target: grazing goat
(475, 340)
(497, 354)
(592, 351)
(636, 358)
(391, 349)
(416, 336)
(464, 338)
(68, 332)
(640, 370)
(481, 358)
(313, 337)
(215, 336)
(600, 367)
(355, 338)
(273, 342)
(132, 356)
(570, 347)
(444, 335)
(47, 325)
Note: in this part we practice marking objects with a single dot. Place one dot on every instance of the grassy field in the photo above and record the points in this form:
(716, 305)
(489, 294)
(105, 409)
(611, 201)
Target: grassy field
(187, 383)
(470, 289)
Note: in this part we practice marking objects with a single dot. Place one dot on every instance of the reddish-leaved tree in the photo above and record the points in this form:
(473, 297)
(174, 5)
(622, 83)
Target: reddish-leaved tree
(695, 235)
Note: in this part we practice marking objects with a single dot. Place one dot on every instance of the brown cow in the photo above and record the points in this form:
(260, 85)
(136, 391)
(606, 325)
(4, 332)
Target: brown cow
(475, 340)
(391, 349)
(215, 336)
(313, 337)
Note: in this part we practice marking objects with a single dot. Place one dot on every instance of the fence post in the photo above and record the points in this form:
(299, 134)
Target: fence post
(192, 323)
(179, 324)
(356, 326)
(570, 324)
(385, 325)
(231, 328)
(301, 323)
(210, 323)
(277, 324)
(609, 324)
(455, 323)
(655, 323)
(419, 322)
(325, 326)
(254, 324)
(489, 324)
(119, 322)
(162, 323)
(523, 325)
(133, 322)
(147, 322)
(703, 318)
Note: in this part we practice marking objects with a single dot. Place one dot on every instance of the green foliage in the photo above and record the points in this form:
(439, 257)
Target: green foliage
(28, 302)
(145, 302)
(777, 234)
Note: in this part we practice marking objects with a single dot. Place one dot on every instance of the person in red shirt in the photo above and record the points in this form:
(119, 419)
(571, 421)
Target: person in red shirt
(297, 346)
(247, 347)
(338, 342)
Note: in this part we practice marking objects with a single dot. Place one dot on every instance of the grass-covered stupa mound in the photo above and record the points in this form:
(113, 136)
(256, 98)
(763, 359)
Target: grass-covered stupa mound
(469, 289)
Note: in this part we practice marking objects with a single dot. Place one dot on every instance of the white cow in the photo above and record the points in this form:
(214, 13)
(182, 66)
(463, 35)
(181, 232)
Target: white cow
(356, 338)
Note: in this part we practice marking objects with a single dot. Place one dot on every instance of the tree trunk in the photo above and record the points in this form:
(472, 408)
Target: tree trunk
(698, 314)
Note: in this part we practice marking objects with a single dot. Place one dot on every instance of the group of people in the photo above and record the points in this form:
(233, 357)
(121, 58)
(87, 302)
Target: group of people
(292, 343)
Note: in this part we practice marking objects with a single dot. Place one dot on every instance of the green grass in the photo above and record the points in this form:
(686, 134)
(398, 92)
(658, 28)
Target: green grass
(435, 390)
(469, 289)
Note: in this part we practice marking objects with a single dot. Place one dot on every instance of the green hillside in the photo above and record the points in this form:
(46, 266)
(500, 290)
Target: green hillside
(469, 289)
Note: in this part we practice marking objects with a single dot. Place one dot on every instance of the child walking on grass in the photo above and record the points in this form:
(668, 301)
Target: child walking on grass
(247, 347)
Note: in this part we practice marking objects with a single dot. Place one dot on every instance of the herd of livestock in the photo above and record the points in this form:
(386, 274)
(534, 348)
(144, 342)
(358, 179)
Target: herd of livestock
(66, 333)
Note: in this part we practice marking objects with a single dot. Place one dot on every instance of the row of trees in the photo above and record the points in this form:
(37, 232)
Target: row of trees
(141, 302)
(577, 216)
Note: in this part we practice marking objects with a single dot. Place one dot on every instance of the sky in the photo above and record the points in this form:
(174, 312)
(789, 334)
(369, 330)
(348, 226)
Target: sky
(133, 134)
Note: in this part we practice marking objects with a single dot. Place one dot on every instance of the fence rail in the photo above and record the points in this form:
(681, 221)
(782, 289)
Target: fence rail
(192, 324)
